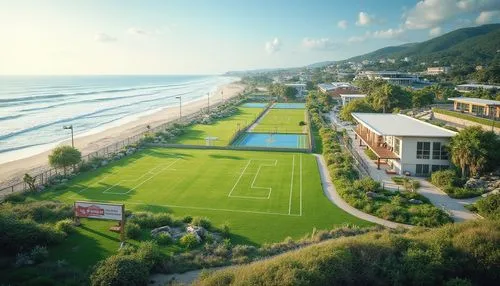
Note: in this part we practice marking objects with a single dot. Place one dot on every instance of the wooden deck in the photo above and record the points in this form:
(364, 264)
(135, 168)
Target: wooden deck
(380, 151)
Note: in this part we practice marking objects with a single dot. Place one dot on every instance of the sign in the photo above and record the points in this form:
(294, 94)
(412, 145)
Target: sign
(99, 210)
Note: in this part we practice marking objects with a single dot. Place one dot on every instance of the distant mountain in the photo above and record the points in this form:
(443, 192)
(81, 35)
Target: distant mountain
(320, 64)
(474, 45)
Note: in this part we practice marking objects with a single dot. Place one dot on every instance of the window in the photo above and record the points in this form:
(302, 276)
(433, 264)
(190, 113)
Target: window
(397, 144)
(439, 151)
(479, 110)
(423, 150)
(422, 169)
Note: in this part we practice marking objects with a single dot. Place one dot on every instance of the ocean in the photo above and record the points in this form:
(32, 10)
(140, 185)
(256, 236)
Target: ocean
(34, 109)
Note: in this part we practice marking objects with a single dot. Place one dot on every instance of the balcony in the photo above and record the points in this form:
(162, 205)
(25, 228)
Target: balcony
(375, 143)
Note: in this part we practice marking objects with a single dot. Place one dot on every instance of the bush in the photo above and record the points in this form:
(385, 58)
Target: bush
(188, 240)
(203, 222)
(302, 123)
(225, 230)
(489, 206)
(65, 226)
(187, 219)
(149, 253)
(39, 254)
(120, 270)
(15, 198)
(164, 238)
(462, 193)
(444, 178)
(133, 230)
(151, 220)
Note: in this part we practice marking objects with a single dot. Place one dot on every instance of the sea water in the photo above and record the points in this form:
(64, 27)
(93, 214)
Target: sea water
(34, 109)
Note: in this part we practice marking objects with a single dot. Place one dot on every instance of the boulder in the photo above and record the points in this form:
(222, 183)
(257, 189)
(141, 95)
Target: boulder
(158, 230)
(474, 183)
(371, 194)
(198, 230)
(104, 162)
(415, 202)
(64, 181)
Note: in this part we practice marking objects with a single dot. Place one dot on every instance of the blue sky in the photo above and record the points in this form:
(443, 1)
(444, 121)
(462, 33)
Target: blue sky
(202, 37)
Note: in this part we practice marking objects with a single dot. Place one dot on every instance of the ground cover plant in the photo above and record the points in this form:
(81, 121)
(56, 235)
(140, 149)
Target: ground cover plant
(282, 121)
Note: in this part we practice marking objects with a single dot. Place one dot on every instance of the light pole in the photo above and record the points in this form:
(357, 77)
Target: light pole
(180, 106)
(72, 140)
(208, 101)
(222, 95)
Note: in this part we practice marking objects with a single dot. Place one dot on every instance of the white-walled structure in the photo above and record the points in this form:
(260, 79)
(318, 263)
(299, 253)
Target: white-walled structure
(346, 98)
(408, 145)
(300, 87)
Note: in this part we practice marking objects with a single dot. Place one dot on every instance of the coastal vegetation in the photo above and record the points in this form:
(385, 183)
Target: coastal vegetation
(64, 157)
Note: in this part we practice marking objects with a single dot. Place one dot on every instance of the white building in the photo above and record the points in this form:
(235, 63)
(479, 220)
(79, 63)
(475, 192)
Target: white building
(407, 145)
(300, 87)
(438, 70)
(346, 98)
(393, 77)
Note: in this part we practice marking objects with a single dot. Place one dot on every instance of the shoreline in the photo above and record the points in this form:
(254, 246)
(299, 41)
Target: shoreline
(12, 171)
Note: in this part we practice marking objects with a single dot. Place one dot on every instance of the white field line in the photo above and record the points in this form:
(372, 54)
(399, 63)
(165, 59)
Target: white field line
(291, 186)
(300, 184)
(252, 186)
(239, 178)
(141, 183)
(195, 208)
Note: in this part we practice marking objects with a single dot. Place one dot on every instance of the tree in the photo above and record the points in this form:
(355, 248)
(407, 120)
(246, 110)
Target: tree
(474, 150)
(357, 105)
(421, 98)
(64, 156)
(289, 93)
(30, 181)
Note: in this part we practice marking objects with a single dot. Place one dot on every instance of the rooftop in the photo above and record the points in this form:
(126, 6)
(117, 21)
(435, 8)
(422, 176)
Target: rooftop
(386, 124)
(473, 85)
(353, 95)
(475, 100)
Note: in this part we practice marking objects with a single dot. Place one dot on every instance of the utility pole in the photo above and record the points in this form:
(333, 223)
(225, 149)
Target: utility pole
(180, 106)
(208, 101)
(72, 138)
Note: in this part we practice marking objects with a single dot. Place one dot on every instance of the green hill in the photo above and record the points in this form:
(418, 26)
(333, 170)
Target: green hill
(455, 254)
(475, 45)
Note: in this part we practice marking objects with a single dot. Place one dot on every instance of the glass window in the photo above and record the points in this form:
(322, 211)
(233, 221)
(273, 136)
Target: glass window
(444, 153)
(436, 150)
(423, 150)
(422, 169)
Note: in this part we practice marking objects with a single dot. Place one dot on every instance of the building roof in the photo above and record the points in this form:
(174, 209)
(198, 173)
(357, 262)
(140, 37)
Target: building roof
(475, 100)
(386, 124)
(353, 95)
(341, 84)
(326, 86)
(295, 84)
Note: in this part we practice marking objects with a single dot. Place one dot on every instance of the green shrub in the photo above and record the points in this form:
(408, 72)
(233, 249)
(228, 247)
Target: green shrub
(65, 225)
(225, 230)
(203, 222)
(366, 184)
(151, 220)
(462, 193)
(133, 230)
(15, 197)
(164, 238)
(370, 154)
(188, 240)
(489, 206)
(120, 270)
(444, 178)
(187, 219)
(39, 254)
(149, 253)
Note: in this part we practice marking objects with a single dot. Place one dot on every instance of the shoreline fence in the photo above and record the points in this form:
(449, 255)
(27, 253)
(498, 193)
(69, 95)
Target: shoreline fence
(107, 152)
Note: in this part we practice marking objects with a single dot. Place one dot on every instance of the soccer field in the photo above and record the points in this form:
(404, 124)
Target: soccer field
(263, 196)
(282, 121)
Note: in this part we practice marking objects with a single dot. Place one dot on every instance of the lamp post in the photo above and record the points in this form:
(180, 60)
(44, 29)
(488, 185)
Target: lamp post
(208, 102)
(72, 140)
(222, 95)
(180, 106)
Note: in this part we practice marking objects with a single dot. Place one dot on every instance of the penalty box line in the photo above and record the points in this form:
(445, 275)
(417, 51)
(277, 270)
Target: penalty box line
(141, 183)
(195, 208)
(252, 186)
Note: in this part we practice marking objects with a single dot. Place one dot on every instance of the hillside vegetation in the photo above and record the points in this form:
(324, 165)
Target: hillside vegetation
(463, 46)
(459, 254)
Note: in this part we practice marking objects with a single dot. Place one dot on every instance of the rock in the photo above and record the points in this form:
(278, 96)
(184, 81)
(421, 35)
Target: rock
(156, 231)
(64, 181)
(198, 230)
(371, 194)
(41, 188)
(104, 162)
(415, 202)
(474, 183)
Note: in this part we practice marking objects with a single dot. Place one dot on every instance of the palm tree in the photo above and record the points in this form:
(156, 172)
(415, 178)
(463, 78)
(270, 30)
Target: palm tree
(467, 152)
(382, 97)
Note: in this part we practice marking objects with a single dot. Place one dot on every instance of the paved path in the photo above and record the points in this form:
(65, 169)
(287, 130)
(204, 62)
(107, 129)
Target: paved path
(250, 129)
(454, 207)
(334, 197)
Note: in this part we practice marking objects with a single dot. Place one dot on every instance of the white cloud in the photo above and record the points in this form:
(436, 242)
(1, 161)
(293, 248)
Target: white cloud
(436, 31)
(104, 38)
(342, 24)
(390, 34)
(487, 17)
(364, 19)
(431, 13)
(138, 31)
(319, 44)
(273, 46)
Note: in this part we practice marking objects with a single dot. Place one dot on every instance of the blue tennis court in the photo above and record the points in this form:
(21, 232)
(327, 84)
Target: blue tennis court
(289, 105)
(272, 140)
(254, 105)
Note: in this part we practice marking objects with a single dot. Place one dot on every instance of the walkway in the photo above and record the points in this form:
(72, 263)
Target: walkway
(334, 197)
(454, 207)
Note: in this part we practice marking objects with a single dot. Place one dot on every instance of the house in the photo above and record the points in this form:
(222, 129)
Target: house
(477, 106)
(337, 88)
(407, 145)
(393, 77)
(300, 87)
(346, 98)
(472, 87)
(438, 70)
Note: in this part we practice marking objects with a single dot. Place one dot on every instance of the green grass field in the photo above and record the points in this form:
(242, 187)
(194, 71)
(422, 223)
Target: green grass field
(263, 196)
(223, 129)
(282, 121)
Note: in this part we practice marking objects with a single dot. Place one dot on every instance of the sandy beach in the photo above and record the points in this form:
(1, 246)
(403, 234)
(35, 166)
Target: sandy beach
(87, 144)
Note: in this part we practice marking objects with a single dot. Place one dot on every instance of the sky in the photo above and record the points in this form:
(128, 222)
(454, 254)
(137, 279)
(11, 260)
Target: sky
(60, 37)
